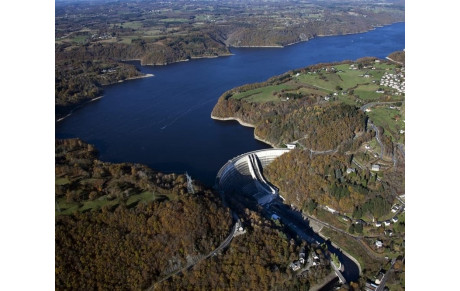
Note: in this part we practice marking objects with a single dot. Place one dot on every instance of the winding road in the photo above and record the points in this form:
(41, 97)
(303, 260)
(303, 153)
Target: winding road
(223, 245)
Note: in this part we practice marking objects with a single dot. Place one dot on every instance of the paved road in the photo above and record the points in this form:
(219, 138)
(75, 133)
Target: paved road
(402, 149)
(377, 136)
(369, 105)
(338, 273)
(223, 245)
(385, 277)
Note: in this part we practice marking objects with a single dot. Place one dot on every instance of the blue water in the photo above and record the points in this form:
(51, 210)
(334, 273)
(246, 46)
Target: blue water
(164, 121)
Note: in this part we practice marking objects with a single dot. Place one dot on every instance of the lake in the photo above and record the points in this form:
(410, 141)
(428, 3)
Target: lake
(164, 121)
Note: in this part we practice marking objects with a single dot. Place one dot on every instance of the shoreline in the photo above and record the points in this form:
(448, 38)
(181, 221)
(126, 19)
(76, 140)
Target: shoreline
(374, 27)
(343, 251)
(99, 97)
(245, 124)
(182, 60)
(132, 78)
(391, 60)
(78, 106)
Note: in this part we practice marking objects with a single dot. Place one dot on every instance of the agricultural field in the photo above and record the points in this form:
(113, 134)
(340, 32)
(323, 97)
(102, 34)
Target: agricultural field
(391, 119)
(352, 84)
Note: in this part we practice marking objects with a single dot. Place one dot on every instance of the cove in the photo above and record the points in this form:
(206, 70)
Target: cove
(164, 121)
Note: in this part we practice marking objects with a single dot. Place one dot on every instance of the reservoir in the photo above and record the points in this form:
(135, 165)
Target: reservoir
(164, 121)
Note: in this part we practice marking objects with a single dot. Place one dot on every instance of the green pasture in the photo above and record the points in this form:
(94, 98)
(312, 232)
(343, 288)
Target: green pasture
(385, 117)
(64, 207)
(132, 24)
(264, 94)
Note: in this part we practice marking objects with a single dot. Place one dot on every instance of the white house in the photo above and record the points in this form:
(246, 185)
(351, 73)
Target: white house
(375, 168)
(330, 209)
(379, 244)
(290, 146)
(394, 219)
(350, 170)
(386, 222)
(378, 224)
(367, 147)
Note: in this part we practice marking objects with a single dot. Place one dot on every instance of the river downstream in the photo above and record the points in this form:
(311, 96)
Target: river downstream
(164, 121)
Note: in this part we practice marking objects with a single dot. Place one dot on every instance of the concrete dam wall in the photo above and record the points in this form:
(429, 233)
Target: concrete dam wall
(244, 174)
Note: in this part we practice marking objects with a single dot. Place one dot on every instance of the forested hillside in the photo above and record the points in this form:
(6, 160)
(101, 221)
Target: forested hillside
(123, 226)
(307, 181)
(257, 260)
(318, 127)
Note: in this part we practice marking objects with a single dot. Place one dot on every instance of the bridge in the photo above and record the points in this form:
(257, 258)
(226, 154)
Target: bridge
(244, 174)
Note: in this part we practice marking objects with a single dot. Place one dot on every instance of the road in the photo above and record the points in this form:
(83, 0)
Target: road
(377, 136)
(339, 274)
(385, 277)
(223, 245)
(369, 105)
(401, 148)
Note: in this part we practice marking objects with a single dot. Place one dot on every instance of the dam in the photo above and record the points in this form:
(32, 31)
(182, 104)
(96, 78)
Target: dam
(244, 174)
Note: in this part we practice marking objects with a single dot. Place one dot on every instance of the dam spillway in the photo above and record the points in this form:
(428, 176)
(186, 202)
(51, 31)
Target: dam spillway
(244, 174)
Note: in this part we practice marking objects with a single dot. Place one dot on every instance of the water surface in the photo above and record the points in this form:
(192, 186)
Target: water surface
(164, 121)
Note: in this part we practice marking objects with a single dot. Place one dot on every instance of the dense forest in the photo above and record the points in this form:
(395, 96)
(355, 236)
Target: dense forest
(318, 127)
(126, 245)
(308, 181)
(80, 81)
(399, 56)
(257, 260)
(106, 240)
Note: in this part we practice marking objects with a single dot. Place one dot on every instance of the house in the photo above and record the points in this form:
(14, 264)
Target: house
(346, 218)
(387, 222)
(295, 265)
(375, 168)
(367, 147)
(394, 219)
(378, 224)
(315, 256)
(302, 257)
(330, 209)
(370, 287)
(290, 146)
(350, 170)
(298, 74)
(360, 221)
(388, 232)
(368, 110)
(401, 131)
(378, 244)
(379, 277)
(327, 98)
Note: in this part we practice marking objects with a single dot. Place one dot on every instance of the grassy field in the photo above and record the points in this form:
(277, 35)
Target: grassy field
(64, 207)
(390, 119)
(324, 83)
(331, 219)
(264, 94)
(132, 24)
